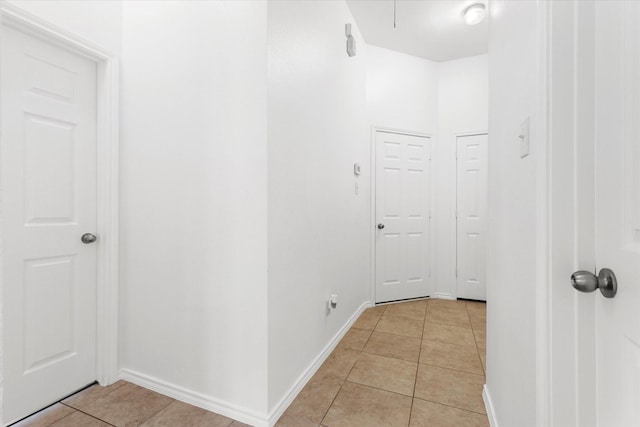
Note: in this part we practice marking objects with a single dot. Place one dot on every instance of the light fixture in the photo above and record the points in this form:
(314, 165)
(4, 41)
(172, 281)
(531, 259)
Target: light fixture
(474, 14)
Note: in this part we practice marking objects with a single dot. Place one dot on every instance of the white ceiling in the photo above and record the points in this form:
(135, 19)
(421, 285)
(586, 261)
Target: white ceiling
(432, 29)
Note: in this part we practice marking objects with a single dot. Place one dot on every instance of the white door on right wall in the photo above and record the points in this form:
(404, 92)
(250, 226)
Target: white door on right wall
(471, 215)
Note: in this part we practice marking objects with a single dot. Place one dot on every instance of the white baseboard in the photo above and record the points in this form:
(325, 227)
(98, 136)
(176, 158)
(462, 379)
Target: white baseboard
(440, 295)
(488, 404)
(284, 403)
(200, 400)
(231, 410)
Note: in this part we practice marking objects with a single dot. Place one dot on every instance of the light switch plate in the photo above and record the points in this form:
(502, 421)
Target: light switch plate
(523, 137)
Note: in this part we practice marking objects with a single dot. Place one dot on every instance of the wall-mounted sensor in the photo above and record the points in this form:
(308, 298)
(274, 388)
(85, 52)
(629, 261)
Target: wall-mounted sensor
(333, 301)
(351, 42)
(356, 169)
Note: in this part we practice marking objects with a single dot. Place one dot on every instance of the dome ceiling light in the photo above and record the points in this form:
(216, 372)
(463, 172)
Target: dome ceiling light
(474, 14)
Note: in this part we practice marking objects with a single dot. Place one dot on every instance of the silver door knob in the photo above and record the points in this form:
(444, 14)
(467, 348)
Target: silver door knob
(380, 226)
(88, 238)
(586, 281)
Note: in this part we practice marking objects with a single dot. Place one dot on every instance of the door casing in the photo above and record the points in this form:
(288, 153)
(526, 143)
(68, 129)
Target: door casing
(107, 177)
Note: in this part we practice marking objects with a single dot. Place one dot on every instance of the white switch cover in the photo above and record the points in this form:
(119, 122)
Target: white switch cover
(523, 136)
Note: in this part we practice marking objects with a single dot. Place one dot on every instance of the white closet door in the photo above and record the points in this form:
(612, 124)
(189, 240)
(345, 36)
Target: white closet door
(472, 216)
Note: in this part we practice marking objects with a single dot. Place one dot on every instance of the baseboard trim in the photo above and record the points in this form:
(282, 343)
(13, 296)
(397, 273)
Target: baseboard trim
(440, 295)
(200, 400)
(488, 404)
(284, 403)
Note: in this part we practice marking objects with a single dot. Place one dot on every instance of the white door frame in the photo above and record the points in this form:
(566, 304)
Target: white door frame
(453, 235)
(107, 178)
(372, 229)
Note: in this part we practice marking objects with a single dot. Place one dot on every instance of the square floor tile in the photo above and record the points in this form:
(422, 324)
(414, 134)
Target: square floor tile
(179, 413)
(78, 419)
(288, 421)
(339, 362)
(314, 400)
(462, 358)
(448, 387)
(46, 417)
(447, 304)
(476, 307)
(358, 406)
(448, 334)
(412, 310)
(378, 309)
(367, 320)
(407, 348)
(355, 339)
(124, 406)
(448, 316)
(398, 376)
(431, 414)
(400, 326)
(481, 338)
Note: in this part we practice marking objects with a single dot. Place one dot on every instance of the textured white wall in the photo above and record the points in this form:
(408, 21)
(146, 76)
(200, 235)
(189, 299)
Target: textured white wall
(513, 211)
(318, 227)
(463, 106)
(402, 91)
(194, 199)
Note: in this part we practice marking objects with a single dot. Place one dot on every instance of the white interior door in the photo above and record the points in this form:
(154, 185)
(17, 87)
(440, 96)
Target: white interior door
(471, 216)
(617, 219)
(48, 179)
(402, 216)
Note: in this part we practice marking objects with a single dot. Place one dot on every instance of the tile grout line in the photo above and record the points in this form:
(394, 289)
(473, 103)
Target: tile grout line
(82, 412)
(484, 371)
(157, 412)
(415, 380)
(450, 406)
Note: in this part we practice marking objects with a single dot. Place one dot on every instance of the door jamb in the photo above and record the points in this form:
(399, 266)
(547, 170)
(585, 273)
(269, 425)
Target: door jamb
(107, 144)
(372, 230)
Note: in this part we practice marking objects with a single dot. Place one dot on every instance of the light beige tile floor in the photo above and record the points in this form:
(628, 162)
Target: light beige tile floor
(411, 364)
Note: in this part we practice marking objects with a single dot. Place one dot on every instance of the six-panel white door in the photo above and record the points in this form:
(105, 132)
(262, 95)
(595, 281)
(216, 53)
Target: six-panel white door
(471, 216)
(617, 219)
(48, 180)
(402, 216)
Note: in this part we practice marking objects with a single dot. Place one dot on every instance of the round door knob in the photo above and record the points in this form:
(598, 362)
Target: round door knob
(88, 238)
(585, 281)
(380, 226)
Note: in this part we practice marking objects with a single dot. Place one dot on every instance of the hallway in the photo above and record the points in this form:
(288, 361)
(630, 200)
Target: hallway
(401, 364)
(414, 363)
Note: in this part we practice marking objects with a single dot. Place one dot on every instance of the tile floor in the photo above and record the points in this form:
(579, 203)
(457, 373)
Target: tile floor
(418, 363)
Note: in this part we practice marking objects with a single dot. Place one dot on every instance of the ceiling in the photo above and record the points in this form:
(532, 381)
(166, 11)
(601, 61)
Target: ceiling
(431, 29)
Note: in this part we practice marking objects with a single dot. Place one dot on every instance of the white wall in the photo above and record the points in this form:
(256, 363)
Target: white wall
(99, 22)
(402, 91)
(514, 210)
(463, 107)
(194, 200)
(318, 227)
